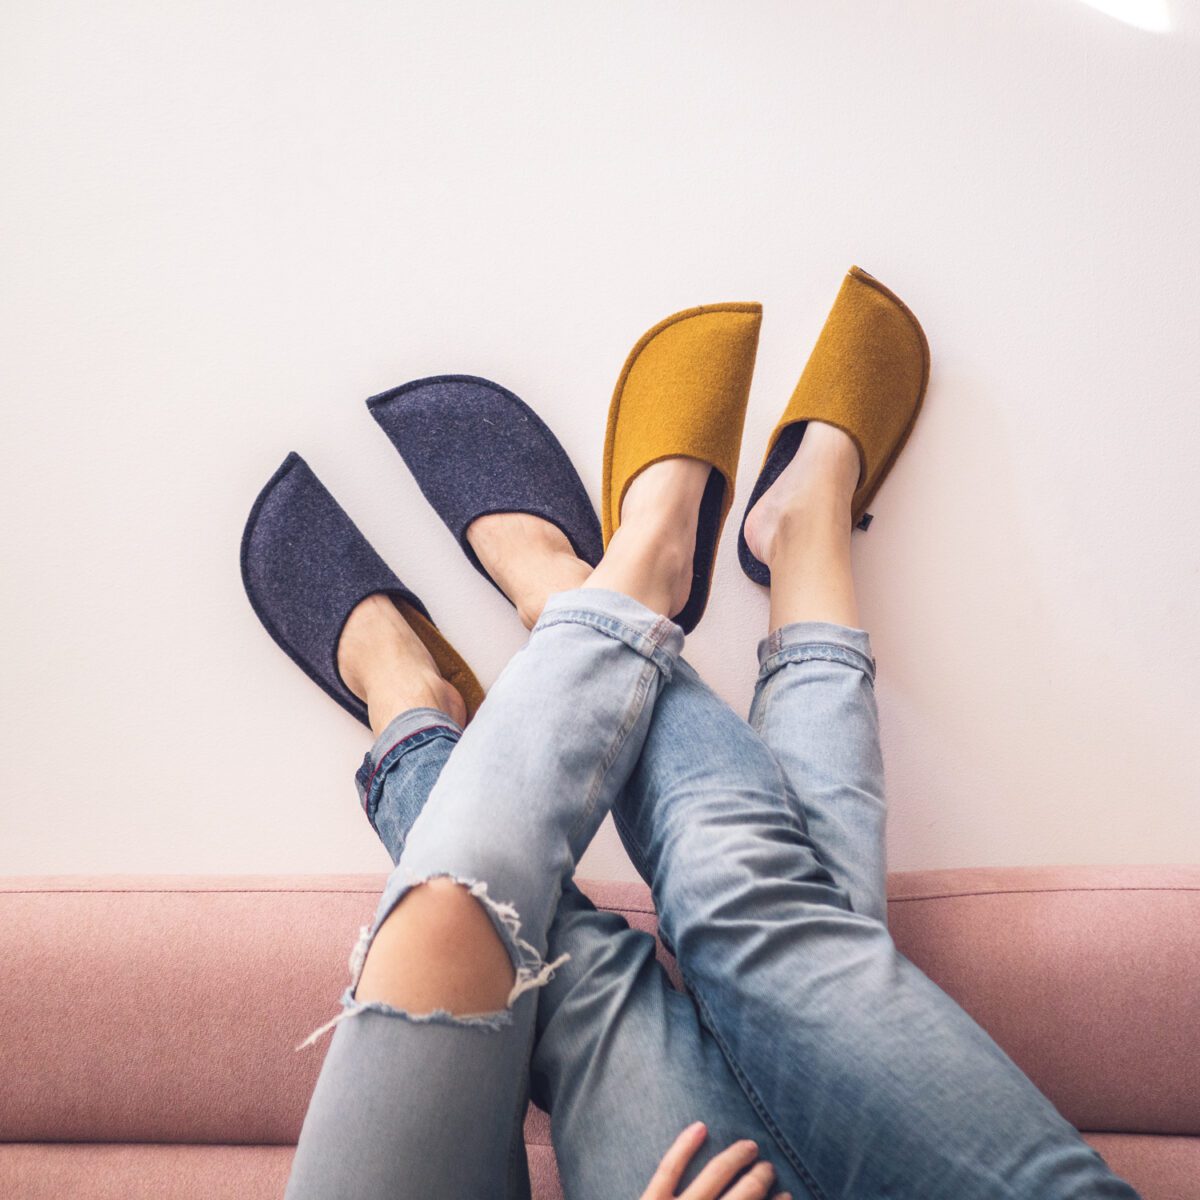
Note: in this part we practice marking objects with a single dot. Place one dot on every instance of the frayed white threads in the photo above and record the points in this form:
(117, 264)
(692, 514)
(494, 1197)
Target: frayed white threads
(533, 972)
(316, 1033)
(529, 975)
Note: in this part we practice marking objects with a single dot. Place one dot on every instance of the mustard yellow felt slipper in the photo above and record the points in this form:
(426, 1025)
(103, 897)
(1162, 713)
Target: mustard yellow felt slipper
(683, 391)
(867, 375)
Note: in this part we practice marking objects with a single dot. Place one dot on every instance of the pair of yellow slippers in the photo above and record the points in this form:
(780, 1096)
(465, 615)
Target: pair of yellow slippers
(685, 386)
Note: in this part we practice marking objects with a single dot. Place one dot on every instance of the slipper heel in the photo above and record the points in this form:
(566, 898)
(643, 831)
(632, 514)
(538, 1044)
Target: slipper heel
(867, 375)
(306, 565)
(683, 391)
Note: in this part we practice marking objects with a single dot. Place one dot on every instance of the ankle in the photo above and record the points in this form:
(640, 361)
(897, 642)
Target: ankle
(664, 499)
(650, 561)
(529, 559)
(387, 697)
(369, 631)
(829, 459)
(560, 572)
(385, 664)
(820, 517)
(651, 555)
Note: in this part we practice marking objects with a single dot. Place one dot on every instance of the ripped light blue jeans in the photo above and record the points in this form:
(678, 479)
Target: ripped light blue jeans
(763, 843)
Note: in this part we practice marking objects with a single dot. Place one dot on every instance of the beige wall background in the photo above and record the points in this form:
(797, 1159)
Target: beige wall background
(226, 224)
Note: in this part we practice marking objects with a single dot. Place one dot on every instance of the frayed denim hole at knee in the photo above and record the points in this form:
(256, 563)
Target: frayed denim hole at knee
(816, 651)
(370, 777)
(660, 642)
(530, 970)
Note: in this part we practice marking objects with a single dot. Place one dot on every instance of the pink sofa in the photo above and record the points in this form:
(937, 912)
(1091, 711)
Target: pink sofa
(147, 1023)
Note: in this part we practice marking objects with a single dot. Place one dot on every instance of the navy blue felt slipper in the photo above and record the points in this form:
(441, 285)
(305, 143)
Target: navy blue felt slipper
(476, 449)
(305, 565)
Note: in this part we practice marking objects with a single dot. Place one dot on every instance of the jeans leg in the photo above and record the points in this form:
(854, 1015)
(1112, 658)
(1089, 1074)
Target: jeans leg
(621, 1060)
(399, 771)
(431, 1104)
(623, 1064)
(814, 707)
(874, 1082)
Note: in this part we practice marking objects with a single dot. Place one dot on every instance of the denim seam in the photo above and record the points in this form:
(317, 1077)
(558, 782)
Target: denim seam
(646, 642)
(516, 1141)
(633, 710)
(821, 651)
(632, 848)
(818, 1193)
(374, 786)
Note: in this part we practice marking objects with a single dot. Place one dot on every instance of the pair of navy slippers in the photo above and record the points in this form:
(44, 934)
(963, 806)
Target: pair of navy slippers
(474, 449)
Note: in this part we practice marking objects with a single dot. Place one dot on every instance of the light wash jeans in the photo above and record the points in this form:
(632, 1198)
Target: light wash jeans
(808, 1033)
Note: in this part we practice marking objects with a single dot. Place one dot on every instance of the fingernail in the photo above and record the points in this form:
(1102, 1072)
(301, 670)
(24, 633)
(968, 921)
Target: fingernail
(695, 1127)
(749, 1148)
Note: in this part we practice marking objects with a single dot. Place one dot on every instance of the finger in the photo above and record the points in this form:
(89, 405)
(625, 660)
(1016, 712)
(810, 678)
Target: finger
(754, 1185)
(674, 1162)
(710, 1183)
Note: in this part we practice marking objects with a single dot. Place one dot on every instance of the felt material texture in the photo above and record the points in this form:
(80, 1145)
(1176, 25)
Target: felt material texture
(475, 448)
(683, 391)
(867, 375)
(305, 565)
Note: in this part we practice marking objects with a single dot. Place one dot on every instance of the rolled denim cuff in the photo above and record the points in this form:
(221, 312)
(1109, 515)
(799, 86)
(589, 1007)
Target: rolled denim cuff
(403, 734)
(803, 641)
(652, 635)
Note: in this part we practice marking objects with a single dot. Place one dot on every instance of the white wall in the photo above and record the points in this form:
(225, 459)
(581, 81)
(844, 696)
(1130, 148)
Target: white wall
(227, 224)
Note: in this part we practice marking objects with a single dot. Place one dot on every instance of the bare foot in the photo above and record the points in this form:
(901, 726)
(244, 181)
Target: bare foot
(819, 483)
(650, 556)
(384, 663)
(528, 557)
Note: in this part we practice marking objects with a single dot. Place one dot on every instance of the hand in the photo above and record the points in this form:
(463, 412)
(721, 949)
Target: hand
(710, 1184)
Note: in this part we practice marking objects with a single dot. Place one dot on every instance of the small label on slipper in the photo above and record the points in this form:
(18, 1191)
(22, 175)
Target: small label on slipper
(865, 520)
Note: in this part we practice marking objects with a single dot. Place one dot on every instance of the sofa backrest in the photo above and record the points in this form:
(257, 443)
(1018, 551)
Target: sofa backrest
(167, 1009)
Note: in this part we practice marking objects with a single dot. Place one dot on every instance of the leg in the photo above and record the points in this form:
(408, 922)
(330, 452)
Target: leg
(874, 1081)
(521, 799)
(391, 1079)
(623, 1064)
(507, 819)
(814, 703)
(620, 1059)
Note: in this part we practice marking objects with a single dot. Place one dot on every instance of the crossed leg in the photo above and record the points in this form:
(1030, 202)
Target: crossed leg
(423, 1088)
(765, 854)
(619, 1058)
(870, 1080)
